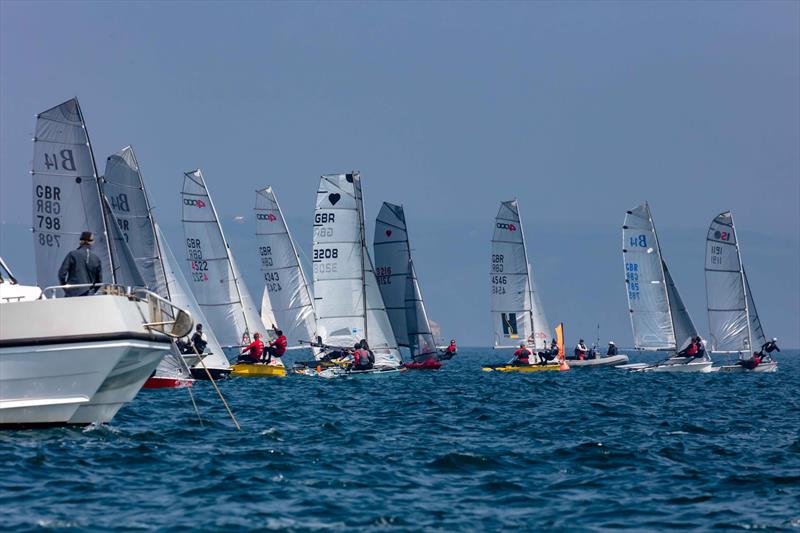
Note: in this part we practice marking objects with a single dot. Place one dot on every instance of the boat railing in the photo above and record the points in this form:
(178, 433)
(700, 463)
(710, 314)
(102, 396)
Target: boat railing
(165, 316)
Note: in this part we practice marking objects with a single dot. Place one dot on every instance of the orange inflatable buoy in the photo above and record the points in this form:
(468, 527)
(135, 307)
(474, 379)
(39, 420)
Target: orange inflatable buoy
(564, 365)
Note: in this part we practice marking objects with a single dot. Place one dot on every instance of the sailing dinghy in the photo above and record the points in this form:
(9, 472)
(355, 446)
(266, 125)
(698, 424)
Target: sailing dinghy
(215, 278)
(126, 197)
(347, 299)
(397, 279)
(517, 313)
(659, 319)
(732, 316)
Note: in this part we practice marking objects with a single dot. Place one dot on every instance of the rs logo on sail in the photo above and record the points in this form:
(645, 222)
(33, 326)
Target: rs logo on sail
(509, 227)
(199, 203)
(270, 217)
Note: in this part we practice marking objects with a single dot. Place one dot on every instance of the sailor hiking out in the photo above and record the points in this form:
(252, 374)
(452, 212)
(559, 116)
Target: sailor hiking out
(277, 347)
(450, 351)
(546, 356)
(81, 267)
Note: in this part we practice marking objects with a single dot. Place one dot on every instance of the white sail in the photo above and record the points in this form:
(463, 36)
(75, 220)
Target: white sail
(541, 326)
(66, 193)
(512, 289)
(213, 274)
(181, 295)
(125, 270)
(347, 299)
(286, 301)
(659, 319)
(756, 331)
(124, 188)
(420, 338)
(392, 255)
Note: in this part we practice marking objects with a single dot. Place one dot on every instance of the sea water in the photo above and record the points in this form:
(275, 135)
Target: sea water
(457, 449)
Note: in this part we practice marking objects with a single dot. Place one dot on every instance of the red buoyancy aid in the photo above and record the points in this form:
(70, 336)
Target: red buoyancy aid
(522, 355)
(280, 345)
(451, 348)
(692, 349)
(256, 349)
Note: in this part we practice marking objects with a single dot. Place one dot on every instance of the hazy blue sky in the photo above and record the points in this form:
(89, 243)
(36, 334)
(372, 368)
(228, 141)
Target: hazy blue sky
(580, 109)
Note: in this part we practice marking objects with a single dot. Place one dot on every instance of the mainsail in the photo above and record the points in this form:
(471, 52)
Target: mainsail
(286, 301)
(732, 317)
(347, 299)
(659, 319)
(215, 279)
(516, 311)
(127, 198)
(392, 255)
(66, 192)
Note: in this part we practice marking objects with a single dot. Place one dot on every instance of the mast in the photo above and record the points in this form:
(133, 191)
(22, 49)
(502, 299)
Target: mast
(360, 204)
(744, 285)
(528, 269)
(99, 192)
(227, 247)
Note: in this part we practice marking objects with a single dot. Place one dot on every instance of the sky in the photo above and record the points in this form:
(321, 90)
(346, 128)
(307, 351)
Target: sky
(581, 110)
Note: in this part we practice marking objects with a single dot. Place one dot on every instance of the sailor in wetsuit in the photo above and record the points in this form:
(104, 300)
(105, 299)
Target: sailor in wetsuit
(769, 347)
(546, 356)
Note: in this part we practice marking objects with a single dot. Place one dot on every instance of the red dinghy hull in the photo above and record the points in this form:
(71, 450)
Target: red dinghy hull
(155, 382)
(430, 364)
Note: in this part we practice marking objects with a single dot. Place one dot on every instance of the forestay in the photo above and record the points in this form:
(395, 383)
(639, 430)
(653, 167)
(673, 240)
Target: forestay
(756, 331)
(346, 295)
(513, 316)
(287, 300)
(213, 274)
(127, 198)
(66, 193)
(420, 338)
(541, 324)
(181, 295)
(727, 295)
(392, 255)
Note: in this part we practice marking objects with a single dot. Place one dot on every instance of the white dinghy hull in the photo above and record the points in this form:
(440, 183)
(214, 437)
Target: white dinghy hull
(763, 367)
(612, 360)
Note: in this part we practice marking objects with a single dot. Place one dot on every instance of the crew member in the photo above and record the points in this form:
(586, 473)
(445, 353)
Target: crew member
(253, 352)
(199, 339)
(361, 357)
(521, 356)
(277, 347)
(581, 350)
(612, 349)
(81, 267)
(769, 347)
(451, 350)
(751, 363)
(689, 351)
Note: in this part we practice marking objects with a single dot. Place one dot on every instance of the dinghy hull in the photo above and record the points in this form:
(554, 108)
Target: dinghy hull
(763, 367)
(242, 370)
(525, 368)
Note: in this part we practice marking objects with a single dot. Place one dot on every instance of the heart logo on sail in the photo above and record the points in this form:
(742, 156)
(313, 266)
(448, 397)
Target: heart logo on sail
(388, 233)
(333, 198)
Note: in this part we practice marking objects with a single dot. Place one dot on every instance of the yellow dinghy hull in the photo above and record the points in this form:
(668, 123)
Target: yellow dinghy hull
(526, 368)
(242, 370)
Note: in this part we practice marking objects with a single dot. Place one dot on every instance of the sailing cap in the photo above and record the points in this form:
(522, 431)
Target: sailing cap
(774, 339)
(610, 342)
(87, 236)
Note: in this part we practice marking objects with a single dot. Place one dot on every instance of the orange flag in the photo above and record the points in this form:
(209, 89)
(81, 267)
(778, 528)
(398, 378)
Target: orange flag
(560, 340)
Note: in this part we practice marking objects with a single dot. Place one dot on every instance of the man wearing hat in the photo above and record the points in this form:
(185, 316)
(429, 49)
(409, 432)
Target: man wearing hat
(612, 349)
(81, 267)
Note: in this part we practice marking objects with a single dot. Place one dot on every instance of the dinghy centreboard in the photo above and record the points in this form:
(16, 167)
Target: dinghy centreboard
(517, 313)
(732, 317)
(659, 319)
(214, 277)
(347, 300)
(397, 279)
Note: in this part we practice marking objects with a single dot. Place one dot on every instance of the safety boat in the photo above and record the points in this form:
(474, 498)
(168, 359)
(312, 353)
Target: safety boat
(732, 316)
(606, 360)
(348, 301)
(659, 319)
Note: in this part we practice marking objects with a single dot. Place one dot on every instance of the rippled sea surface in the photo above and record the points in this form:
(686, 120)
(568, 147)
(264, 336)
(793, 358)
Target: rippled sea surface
(454, 449)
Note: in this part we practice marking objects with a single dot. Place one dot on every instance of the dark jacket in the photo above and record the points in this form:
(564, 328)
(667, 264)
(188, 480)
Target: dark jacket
(79, 267)
(612, 350)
